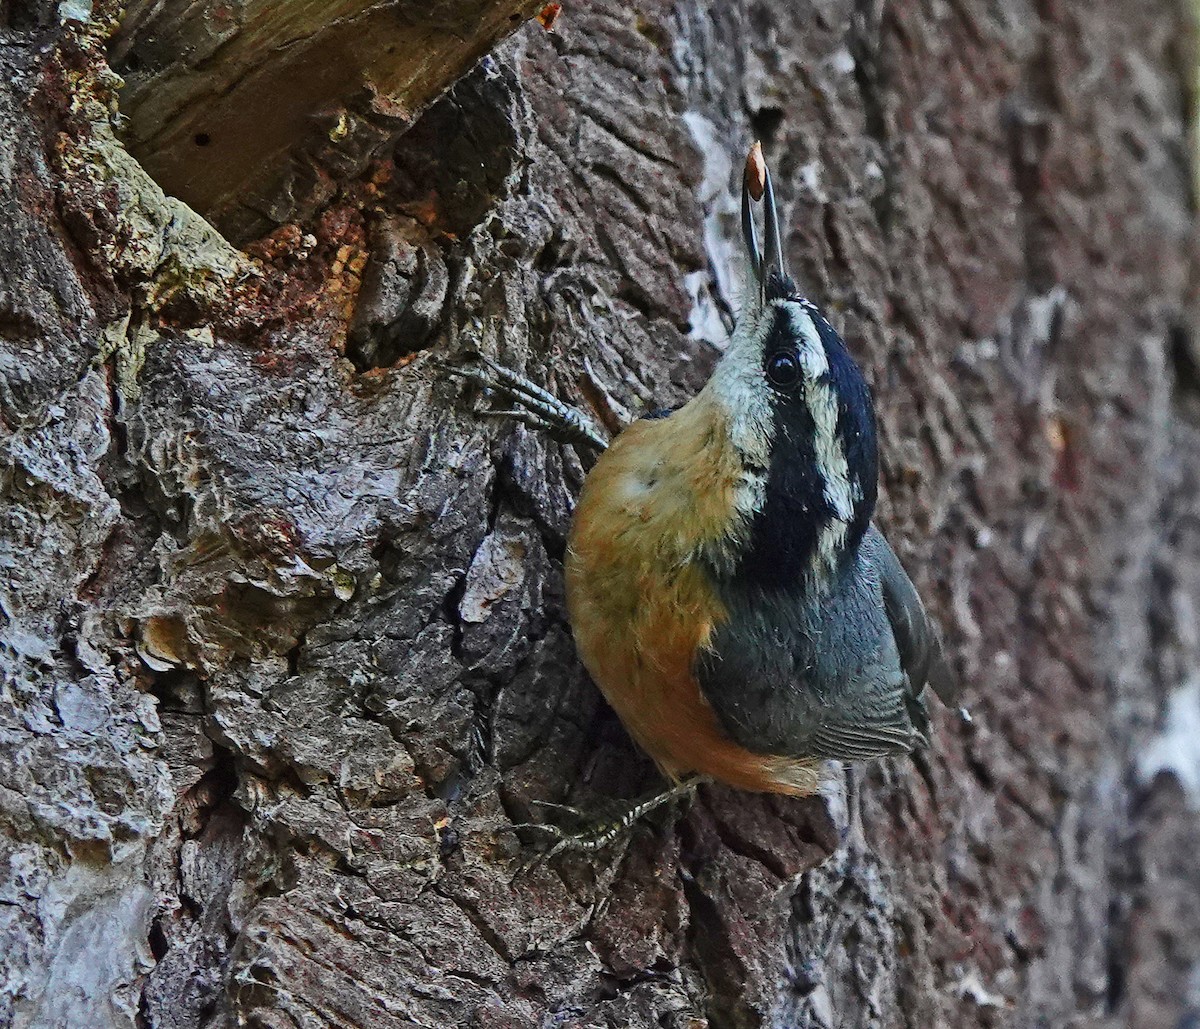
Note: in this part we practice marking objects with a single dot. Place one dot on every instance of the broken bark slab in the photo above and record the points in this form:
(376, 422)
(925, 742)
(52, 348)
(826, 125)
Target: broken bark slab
(251, 111)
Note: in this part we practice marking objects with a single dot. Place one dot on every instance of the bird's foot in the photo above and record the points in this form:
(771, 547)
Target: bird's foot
(531, 404)
(599, 835)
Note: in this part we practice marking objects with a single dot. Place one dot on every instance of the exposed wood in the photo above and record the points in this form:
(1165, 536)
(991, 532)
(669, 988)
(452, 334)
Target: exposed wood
(252, 110)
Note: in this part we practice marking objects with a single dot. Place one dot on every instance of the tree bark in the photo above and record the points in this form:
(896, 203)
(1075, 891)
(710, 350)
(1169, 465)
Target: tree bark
(285, 660)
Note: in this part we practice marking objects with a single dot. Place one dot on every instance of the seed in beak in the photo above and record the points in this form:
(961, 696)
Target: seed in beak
(756, 172)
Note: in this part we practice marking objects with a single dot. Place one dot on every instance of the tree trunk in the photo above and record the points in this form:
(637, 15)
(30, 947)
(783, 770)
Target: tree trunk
(285, 660)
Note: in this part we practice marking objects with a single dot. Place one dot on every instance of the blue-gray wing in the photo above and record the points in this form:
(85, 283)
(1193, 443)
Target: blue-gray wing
(917, 637)
(839, 678)
(885, 712)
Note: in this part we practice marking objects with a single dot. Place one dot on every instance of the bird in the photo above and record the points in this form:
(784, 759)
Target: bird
(726, 585)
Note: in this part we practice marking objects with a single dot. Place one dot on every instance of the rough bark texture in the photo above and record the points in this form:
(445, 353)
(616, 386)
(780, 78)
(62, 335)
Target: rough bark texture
(284, 654)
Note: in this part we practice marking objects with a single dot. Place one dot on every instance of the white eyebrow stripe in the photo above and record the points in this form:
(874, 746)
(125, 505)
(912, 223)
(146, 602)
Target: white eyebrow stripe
(822, 403)
(812, 351)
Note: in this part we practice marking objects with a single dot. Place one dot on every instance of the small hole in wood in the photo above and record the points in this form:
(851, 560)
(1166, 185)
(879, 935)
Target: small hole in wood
(765, 123)
(203, 139)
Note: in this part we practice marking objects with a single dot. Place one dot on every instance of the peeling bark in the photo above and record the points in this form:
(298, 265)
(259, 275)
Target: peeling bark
(285, 663)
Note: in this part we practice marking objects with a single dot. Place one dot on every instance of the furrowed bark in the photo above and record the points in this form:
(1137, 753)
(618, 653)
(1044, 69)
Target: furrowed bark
(285, 661)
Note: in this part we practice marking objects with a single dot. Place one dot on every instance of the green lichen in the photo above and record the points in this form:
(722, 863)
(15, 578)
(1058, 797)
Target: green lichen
(153, 244)
(127, 346)
(160, 245)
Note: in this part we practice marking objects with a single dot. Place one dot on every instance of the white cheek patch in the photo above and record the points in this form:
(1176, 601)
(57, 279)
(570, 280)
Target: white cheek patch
(739, 386)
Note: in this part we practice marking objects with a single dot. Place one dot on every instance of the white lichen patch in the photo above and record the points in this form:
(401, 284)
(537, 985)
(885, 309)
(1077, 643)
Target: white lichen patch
(497, 569)
(720, 209)
(1176, 749)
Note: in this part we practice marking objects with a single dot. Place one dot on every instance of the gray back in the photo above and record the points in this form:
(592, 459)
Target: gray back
(838, 676)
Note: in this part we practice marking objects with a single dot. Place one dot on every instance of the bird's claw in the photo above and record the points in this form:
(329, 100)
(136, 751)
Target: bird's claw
(587, 841)
(598, 836)
(534, 406)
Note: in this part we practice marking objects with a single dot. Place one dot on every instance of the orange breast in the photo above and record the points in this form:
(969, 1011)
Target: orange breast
(641, 605)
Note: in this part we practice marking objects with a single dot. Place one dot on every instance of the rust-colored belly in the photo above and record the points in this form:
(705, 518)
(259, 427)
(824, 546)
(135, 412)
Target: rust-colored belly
(641, 603)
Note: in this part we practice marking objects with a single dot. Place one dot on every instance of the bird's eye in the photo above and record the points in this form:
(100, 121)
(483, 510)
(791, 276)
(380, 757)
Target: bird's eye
(783, 369)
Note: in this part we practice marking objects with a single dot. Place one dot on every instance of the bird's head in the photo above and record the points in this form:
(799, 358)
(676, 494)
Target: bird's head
(799, 413)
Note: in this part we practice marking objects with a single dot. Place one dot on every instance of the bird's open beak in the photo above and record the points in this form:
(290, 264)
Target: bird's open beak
(756, 185)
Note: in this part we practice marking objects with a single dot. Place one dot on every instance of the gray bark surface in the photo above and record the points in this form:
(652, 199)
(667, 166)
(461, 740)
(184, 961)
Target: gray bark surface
(284, 655)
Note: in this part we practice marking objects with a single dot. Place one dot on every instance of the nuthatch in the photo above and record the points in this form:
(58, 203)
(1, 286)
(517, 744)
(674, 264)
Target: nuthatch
(726, 587)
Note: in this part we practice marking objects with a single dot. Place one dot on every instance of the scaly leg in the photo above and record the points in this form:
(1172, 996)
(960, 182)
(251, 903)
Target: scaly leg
(534, 406)
(597, 837)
